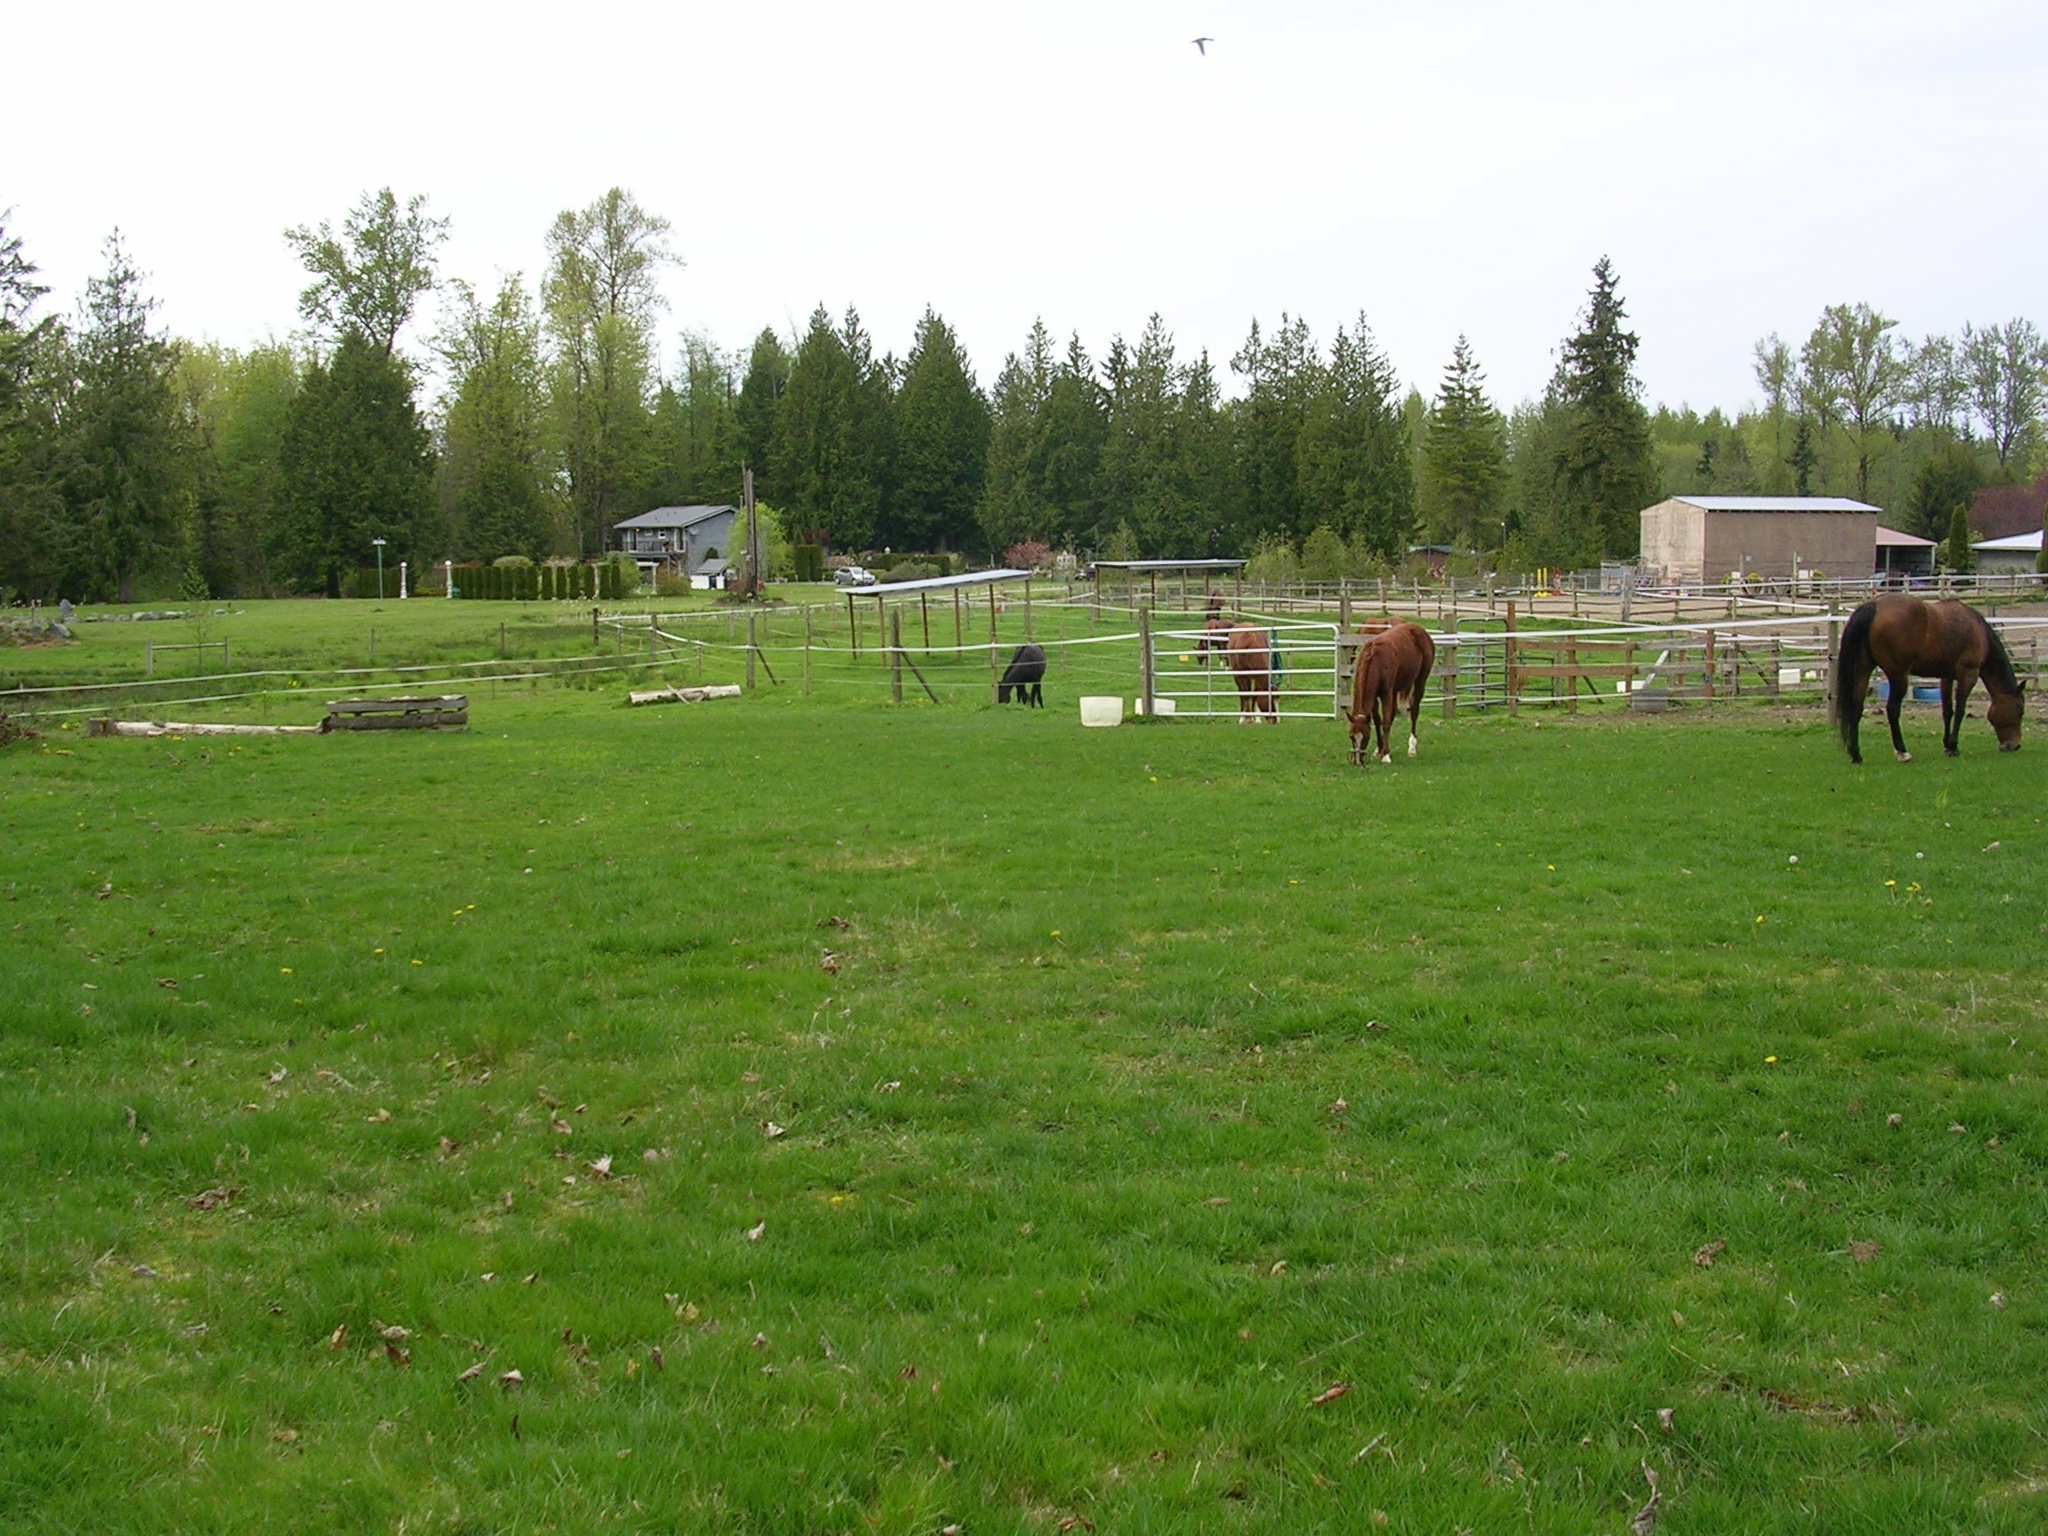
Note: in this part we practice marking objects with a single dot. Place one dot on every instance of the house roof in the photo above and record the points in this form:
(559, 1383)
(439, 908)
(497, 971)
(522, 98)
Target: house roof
(673, 517)
(1776, 503)
(2020, 541)
(714, 567)
(1893, 539)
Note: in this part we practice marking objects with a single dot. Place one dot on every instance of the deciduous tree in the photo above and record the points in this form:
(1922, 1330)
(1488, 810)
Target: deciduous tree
(367, 280)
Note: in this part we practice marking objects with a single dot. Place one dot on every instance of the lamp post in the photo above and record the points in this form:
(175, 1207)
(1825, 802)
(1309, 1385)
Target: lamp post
(380, 572)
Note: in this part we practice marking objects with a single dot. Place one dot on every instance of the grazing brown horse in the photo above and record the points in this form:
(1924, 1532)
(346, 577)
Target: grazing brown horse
(1906, 638)
(1249, 650)
(1392, 671)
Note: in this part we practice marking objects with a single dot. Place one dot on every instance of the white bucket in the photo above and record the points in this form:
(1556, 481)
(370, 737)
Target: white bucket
(1161, 708)
(1097, 710)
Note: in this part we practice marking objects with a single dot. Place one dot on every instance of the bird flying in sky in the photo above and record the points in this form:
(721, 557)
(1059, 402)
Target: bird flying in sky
(1201, 45)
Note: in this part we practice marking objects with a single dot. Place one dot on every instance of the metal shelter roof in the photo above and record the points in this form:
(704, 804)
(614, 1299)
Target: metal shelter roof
(940, 583)
(1776, 504)
(1893, 539)
(1168, 565)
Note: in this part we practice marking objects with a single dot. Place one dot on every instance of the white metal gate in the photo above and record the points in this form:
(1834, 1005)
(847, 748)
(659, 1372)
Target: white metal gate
(1198, 684)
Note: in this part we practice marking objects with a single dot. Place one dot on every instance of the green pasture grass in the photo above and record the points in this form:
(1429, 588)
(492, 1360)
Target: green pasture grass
(869, 1119)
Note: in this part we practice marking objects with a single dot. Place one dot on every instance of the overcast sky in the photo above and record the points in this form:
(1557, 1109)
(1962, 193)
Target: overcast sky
(1442, 167)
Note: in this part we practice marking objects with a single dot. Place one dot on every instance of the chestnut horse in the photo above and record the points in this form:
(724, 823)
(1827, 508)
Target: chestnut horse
(1392, 671)
(1906, 638)
(1248, 652)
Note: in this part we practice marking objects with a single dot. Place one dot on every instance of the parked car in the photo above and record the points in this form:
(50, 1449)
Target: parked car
(853, 576)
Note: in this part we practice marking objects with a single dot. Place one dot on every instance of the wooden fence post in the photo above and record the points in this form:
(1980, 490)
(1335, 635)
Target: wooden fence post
(896, 657)
(994, 676)
(1710, 667)
(1450, 668)
(1145, 660)
(750, 653)
(1571, 668)
(807, 650)
(1514, 682)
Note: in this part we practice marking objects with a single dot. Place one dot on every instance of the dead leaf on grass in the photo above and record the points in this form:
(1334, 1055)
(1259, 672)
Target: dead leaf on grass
(771, 1130)
(339, 1337)
(206, 1200)
(397, 1356)
(511, 1380)
(754, 1232)
(472, 1373)
(602, 1167)
(1279, 1267)
(560, 1126)
(1706, 1253)
(1864, 1252)
(1330, 1394)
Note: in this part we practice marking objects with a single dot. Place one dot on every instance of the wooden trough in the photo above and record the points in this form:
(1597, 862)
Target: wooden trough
(445, 712)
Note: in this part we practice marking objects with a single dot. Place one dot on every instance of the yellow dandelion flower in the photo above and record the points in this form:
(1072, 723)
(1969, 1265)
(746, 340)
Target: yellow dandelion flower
(1770, 1061)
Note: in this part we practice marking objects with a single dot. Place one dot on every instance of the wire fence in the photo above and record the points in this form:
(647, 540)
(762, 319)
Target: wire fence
(1494, 653)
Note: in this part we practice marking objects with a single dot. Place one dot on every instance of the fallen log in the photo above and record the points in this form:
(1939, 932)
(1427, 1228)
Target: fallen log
(187, 728)
(685, 695)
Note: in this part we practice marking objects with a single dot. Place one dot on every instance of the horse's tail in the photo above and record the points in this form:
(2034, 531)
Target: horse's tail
(1852, 668)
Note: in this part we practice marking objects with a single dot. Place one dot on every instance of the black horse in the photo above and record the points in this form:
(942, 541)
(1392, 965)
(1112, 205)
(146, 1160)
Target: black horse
(1025, 672)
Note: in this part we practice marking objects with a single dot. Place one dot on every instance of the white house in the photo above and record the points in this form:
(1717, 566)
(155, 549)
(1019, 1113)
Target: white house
(2020, 552)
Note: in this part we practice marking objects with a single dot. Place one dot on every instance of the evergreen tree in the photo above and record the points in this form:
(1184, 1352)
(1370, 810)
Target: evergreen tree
(30, 350)
(942, 444)
(1282, 375)
(1353, 465)
(1956, 553)
(826, 462)
(767, 376)
(492, 476)
(121, 443)
(354, 465)
(1013, 505)
(1464, 469)
(1076, 430)
(1943, 485)
(1606, 470)
(1146, 457)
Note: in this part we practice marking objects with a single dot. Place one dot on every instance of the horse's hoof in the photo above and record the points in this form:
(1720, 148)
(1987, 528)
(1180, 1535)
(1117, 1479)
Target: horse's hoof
(1951, 752)
(1905, 757)
(1387, 758)
(1411, 746)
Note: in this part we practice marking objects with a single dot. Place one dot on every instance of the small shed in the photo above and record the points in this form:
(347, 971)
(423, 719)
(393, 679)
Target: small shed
(711, 576)
(2016, 552)
(1904, 554)
(1707, 540)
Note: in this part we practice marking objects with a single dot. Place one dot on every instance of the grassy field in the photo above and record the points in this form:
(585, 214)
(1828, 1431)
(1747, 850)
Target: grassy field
(794, 1115)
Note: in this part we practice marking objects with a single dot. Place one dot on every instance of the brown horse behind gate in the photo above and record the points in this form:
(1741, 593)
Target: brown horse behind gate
(1392, 671)
(1906, 638)
(1249, 650)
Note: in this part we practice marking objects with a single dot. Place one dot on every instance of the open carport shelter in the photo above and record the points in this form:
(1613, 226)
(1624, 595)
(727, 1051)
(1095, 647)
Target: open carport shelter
(960, 588)
(1149, 572)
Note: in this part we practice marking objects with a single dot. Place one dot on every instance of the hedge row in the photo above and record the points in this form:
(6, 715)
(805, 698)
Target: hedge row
(606, 582)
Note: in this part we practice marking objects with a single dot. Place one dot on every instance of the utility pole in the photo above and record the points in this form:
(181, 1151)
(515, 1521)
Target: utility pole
(750, 568)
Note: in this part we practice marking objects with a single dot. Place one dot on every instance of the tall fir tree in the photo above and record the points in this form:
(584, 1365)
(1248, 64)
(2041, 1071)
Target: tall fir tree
(760, 397)
(121, 441)
(354, 466)
(826, 462)
(1282, 374)
(1076, 429)
(1013, 505)
(1607, 467)
(30, 353)
(942, 443)
(1352, 457)
(1462, 477)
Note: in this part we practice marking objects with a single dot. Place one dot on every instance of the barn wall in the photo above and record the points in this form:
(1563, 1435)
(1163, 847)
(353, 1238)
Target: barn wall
(1837, 544)
(1673, 540)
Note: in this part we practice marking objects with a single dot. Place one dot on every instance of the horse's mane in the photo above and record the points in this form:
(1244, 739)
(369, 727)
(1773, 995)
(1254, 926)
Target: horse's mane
(1997, 664)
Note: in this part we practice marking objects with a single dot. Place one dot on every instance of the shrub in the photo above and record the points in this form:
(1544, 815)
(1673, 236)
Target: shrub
(807, 562)
(1030, 555)
(908, 570)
